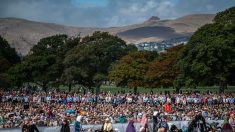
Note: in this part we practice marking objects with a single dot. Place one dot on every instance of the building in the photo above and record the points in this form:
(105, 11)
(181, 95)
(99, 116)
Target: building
(163, 45)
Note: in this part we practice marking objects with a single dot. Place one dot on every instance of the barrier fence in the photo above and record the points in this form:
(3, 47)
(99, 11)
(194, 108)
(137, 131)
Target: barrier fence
(118, 127)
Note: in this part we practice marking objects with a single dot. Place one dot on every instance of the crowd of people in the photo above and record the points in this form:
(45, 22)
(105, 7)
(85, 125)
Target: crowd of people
(53, 107)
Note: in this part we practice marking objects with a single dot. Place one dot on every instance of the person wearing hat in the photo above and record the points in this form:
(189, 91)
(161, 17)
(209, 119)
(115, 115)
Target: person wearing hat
(107, 127)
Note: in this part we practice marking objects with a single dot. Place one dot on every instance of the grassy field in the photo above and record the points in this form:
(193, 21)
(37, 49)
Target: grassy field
(114, 89)
(213, 89)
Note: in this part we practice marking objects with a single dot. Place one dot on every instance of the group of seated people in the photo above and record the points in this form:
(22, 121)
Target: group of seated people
(52, 107)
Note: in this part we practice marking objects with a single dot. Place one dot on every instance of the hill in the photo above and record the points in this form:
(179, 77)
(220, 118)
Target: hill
(23, 34)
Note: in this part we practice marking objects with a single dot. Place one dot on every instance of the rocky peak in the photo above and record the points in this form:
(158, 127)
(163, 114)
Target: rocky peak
(154, 18)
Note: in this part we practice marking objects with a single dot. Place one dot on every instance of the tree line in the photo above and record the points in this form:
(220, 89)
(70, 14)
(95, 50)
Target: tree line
(207, 59)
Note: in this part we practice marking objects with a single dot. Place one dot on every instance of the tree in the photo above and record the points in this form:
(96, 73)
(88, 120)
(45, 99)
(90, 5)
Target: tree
(4, 64)
(43, 65)
(88, 63)
(225, 17)
(209, 56)
(7, 52)
(8, 57)
(163, 70)
(18, 74)
(131, 69)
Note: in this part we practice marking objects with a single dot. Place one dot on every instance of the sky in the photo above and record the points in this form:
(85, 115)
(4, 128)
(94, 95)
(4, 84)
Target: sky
(106, 13)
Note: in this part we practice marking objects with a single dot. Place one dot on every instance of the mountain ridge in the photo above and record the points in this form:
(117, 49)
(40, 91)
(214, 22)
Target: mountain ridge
(22, 34)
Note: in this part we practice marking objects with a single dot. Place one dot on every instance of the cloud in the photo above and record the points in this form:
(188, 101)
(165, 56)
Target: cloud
(106, 13)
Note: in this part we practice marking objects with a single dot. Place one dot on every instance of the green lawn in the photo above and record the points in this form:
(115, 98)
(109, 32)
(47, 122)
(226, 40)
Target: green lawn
(114, 89)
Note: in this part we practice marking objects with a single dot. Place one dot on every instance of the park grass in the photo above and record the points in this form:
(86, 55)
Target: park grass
(114, 89)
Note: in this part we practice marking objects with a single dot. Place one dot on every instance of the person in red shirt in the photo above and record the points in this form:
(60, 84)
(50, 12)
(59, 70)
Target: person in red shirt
(205, 101)
(49, 112)
(167, 108)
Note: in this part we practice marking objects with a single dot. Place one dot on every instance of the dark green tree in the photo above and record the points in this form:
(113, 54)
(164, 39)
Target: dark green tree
(8, 52)
(8, 57)
(43, 65)
(225, 17)
(209, 56)
(88, 63)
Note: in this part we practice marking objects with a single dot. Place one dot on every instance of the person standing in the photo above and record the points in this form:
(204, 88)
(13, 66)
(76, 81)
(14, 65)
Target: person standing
(77, 125)
(144, 123)
(156, 120)
(198, 123)
(65, 127)
(32, 127)
(25, 127)
(130, 127)
(163, 125)
(107, 126)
